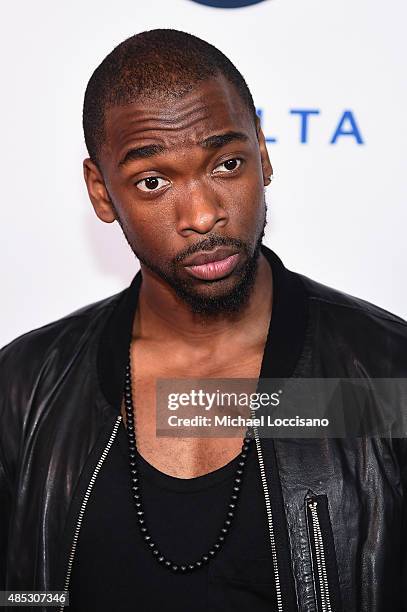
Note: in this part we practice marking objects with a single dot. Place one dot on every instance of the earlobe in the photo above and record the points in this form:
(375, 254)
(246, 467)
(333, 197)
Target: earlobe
(98, 194)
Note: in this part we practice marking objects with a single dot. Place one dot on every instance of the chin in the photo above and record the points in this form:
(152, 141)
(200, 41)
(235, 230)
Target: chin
(217, 298)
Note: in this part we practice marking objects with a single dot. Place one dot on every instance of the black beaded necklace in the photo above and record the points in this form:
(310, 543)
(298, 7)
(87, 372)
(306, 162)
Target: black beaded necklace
(180, 568)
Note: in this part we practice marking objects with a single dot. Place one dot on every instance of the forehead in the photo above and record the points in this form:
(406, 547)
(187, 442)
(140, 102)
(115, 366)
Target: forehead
(213, 106)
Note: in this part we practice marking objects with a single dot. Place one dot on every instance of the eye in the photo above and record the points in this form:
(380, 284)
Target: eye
(151, 183)
(229, 165)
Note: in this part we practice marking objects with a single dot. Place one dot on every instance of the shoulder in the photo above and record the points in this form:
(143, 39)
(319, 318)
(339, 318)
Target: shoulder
(30, 350)
(332, 299)
(35, 365)
(345, 324)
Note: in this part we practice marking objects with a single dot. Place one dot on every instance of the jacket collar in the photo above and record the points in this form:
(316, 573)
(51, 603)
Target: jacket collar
(283, 347)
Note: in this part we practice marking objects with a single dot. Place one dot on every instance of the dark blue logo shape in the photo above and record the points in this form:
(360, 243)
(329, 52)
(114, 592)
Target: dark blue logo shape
(228, 3)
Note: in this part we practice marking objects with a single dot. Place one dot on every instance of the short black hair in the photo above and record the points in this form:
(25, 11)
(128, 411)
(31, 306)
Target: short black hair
(156, 64)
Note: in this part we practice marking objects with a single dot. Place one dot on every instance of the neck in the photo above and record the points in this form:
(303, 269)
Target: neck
(162, 315)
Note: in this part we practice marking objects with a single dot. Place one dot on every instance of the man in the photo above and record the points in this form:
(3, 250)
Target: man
(93, 502)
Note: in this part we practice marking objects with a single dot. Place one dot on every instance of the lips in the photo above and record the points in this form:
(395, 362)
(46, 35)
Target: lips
(209, 256)
(214, 265)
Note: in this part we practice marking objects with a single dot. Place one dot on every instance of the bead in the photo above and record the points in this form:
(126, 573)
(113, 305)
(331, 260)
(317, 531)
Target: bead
(136, 493)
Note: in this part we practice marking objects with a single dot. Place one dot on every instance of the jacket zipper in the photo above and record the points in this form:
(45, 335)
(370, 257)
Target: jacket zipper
(320, 556)
(266, 497)
(84, 503)
(269, 517)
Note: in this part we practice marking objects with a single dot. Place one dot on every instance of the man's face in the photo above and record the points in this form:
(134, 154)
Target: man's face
(185, 178)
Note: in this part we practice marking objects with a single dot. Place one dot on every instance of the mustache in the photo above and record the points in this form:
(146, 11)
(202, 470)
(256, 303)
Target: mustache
(209, 243)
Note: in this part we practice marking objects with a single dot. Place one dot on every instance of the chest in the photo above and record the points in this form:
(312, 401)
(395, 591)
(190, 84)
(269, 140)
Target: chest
(199, 455)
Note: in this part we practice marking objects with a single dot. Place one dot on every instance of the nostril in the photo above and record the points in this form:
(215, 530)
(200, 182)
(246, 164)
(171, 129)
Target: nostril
(201, 216)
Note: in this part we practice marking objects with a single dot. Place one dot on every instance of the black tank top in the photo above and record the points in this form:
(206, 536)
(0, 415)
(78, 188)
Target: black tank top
(114, 571)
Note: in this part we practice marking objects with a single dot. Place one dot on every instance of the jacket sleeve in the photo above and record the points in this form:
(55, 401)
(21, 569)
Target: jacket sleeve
(5, 500)
(9, 443)
(402, 447)
(5, 485)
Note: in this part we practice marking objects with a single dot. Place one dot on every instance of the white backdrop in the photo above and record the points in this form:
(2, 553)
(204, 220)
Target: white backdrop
(337, 211)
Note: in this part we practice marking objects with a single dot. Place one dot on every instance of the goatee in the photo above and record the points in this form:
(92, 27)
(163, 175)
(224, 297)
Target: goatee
(232, 301)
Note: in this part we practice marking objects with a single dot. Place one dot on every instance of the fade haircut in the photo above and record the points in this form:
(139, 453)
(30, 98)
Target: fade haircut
(160, 64)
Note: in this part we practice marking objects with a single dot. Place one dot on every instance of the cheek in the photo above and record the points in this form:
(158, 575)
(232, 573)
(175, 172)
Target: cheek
(249, 204)
(150, 229)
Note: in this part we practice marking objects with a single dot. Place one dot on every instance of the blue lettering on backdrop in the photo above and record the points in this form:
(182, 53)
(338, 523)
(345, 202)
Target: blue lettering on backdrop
(353, 130)
(228, 3)
(304, 113)
(259, 111)
(347, 125)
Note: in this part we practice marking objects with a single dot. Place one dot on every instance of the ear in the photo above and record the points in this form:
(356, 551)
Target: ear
(98, 194)
(265, 160)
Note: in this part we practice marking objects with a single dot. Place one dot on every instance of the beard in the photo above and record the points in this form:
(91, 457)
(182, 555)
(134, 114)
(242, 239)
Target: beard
(228, 302)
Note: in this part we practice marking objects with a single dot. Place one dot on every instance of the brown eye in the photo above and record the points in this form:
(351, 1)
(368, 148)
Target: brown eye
(231, 164)
(228, 166)
(151, 183)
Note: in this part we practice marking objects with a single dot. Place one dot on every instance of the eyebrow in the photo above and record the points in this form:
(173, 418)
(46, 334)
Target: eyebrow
(220, 140)
(217, 141)
(141, 153)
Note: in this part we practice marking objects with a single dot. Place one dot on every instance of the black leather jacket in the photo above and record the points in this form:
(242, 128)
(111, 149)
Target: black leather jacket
(336, 507)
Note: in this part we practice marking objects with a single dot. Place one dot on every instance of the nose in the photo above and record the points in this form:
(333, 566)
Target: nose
(199, 211)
